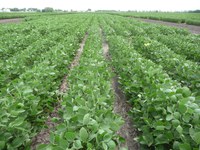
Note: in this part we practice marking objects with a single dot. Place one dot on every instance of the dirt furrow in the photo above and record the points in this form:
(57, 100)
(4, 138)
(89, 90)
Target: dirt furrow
(15, 20)
(121, 107)
(43, 136)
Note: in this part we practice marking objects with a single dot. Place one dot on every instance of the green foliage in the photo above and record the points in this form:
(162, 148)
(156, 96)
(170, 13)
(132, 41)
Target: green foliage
(156, 72)
(31, 77)
(28, 15)
(165, 113)
(189, 18)
(48, 9)
(141, 36)
(88, 118)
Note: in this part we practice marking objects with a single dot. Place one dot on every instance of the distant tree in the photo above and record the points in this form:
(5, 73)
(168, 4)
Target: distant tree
(48, 9)
(74, 11)
(33, 9)
(194, 11)
(14, 9)
(89, 10)
(23, 9)
(58, 10)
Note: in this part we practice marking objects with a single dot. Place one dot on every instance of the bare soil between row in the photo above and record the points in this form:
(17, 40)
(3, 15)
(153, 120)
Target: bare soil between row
(14, 20)
(192, 28)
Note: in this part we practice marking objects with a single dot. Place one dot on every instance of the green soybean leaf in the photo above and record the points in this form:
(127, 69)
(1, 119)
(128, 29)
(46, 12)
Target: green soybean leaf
(77, 144)
(83, 134)
(107, 137)
(176, 145)
(63, 144)
(86, 119)
(16, 122)
(179, 129)
(52, 138)
(18, 142)
(186, 91)
(160, 128)
(169, 117)
(105, 147)
(2, 144)
(182, 108)
(148, 138)
(186, 117)
(196, 137)
(175, 122)
(70, 136)
(111, 144)
(177, 115)
(185, 146)
(27, 91)
(44, 147)
(161, 139)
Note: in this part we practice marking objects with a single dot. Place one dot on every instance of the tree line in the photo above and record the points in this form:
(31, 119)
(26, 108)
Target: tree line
(46, 9)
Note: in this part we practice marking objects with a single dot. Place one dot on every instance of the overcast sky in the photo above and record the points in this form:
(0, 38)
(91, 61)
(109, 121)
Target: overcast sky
(164, 5)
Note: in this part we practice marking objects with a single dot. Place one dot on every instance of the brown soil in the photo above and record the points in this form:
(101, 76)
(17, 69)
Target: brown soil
(127, 131)
(15, 20)
(43, 136)
(192, 28)
(121, 107)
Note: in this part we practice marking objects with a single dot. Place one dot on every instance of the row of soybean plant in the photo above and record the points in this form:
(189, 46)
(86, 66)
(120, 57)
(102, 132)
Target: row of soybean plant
(178, 40)
(177, 66)
(87, 112)
(26, 99)
(17, 37)
(165, 113)
(24, 58)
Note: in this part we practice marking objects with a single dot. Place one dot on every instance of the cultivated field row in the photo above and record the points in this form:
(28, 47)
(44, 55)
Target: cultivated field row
(187, 18)
(157, 68)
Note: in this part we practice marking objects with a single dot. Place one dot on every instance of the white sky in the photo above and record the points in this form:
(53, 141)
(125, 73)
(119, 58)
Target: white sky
(164, 5)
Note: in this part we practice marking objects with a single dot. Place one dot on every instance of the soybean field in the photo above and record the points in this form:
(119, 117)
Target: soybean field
(97, 81)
